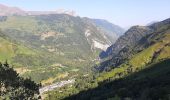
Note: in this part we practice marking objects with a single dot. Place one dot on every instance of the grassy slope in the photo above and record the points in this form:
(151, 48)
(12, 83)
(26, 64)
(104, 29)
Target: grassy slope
(28, 24)
(8, 50)
(71, 42)
(28, 61)
(33, 60)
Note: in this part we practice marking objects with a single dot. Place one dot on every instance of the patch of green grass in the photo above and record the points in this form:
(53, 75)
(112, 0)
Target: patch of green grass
(6, 50)
(27, 24)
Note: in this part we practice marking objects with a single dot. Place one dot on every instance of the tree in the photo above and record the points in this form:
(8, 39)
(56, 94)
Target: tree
(14, 87)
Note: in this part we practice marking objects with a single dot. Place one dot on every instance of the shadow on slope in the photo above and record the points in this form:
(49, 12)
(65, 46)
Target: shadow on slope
(152, 83)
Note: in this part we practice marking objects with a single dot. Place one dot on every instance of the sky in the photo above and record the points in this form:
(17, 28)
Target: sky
(124, 13)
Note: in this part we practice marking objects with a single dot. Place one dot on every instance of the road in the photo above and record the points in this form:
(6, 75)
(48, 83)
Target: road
(56, 85)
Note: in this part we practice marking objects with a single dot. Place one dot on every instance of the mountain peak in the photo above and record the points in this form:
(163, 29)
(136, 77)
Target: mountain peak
(8, 11)
(59, 11)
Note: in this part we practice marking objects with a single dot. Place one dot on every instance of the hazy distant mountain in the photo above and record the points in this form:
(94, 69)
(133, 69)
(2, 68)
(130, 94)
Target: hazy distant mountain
(7, 11)
(59, 11)
(113, 31)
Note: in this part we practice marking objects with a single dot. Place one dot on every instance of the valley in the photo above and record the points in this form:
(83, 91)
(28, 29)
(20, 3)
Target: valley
(150, 54)
(61, 55)
(43, 46)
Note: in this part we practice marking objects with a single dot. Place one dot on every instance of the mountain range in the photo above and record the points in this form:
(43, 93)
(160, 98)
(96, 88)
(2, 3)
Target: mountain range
(36, 41)
(139, 71)
(9, 11)
(105, 62)
(130, 43)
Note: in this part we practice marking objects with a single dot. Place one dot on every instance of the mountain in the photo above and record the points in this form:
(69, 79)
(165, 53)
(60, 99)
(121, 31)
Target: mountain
(112, 31)
(36, 44)
(130, 43)
(59, 11)
(152, 48)
(130, 38)
(26, 59)
(7, 11)
(64, 41)
(145, 67)
(40, 29)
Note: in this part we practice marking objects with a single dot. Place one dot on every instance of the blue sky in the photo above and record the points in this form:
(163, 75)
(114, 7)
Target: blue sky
(121, 12)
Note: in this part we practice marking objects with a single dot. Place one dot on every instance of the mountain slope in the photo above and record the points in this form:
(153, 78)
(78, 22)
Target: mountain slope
(8, 11)
(26, 60)
(39, 42)
(146, 70)
(133, 35)
(153, 83)
(58, 32)
(144, 67)
(113, 31)
(127, 51)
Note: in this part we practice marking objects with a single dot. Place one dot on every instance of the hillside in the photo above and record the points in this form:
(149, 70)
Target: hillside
(24, 58)
(126, 48)
(112, 31)
(48, 28)
(50, 46)
(10, 11)
(84, 50)
(151, 83)
(151, 53)
(130, 38)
